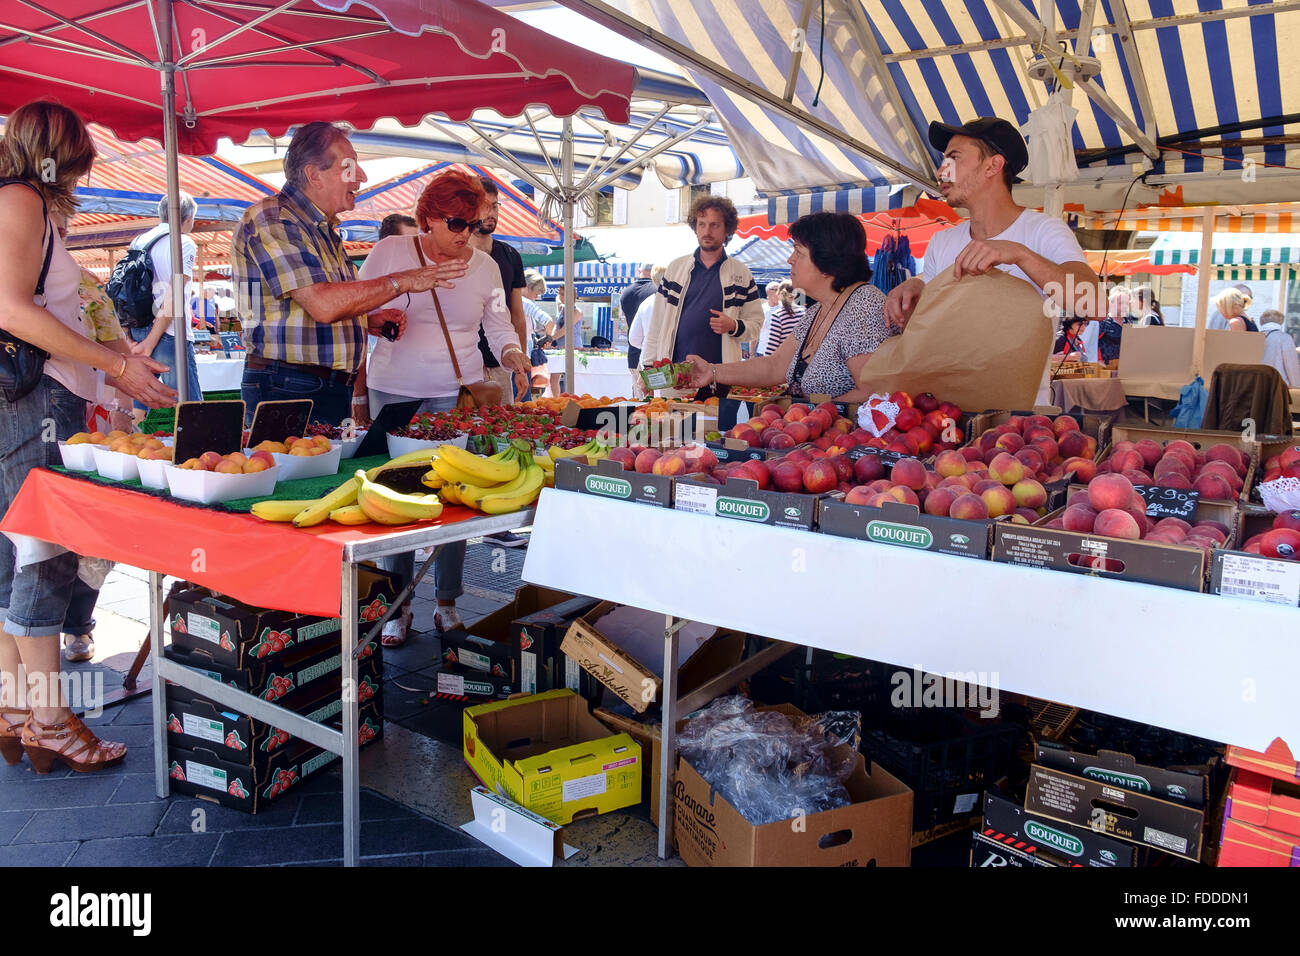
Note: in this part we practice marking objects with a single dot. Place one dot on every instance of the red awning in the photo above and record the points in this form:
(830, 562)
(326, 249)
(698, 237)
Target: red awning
(918, 223)
(303, 60)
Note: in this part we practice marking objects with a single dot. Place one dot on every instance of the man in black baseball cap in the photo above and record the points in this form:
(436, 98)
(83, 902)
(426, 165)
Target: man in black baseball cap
(980, 161)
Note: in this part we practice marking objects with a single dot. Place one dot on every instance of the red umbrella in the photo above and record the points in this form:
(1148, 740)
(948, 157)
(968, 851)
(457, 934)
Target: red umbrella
(193, 71)
(919, 221)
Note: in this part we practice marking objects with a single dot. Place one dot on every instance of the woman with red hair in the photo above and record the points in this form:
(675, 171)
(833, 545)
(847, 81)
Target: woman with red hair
(420, 364)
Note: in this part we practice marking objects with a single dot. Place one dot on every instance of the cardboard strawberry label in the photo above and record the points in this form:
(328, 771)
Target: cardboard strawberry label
(234, 742)
(366, 690)
(176, 773)
(272, 642)
(236, 789)
(225, 643)
(174, 725)
(284, 779)
(275, 740)
(178, 625)
(366, 732)
(375, 610)
(279, 687)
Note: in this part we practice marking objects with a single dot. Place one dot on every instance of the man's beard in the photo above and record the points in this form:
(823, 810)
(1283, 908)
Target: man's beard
(487, 227)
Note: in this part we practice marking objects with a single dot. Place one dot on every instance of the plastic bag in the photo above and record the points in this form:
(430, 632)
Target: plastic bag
(765, 766)
(1192, 402)
(94, 570)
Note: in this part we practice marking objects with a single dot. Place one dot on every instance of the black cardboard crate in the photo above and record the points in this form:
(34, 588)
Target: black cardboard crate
(947, 760)
(200, 772)
(1007, 822)
(458, 682)
(743, 500)
(309, 669)
(539, 663)
(235, 635)
(607, 479)
(904, 525)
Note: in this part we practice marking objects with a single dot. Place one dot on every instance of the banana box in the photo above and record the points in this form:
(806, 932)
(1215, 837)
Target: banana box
(547, 754)
(237, 635)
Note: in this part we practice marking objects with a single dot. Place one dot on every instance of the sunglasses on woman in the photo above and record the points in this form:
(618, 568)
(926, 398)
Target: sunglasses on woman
(457, 224)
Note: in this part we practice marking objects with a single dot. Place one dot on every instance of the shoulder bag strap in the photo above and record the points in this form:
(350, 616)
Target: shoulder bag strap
(47, 236)
(451, 349)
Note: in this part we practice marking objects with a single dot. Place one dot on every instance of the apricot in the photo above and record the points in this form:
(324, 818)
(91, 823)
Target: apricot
(227, 467)
(81, 438)
(254, 465)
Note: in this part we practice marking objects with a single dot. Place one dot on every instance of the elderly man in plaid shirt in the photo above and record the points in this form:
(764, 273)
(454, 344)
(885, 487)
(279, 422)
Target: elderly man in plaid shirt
(304, 312)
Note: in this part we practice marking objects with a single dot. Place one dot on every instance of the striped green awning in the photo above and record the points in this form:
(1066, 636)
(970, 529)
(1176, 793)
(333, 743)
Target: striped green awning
(1244, 250)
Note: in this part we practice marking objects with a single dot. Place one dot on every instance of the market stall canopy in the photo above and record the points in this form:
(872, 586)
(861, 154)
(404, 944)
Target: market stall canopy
(268, 64)
(827, 105)
(1281, 217)
(767, 259)
(1237, 257)
(592, 279)
(919, 221)
(1129, 262)
(519, 222)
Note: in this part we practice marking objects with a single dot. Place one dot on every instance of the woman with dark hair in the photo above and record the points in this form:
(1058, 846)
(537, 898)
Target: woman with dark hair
(45, 150)
(439, 350)
(1070, 346)
(1146, 308)
(836, 337)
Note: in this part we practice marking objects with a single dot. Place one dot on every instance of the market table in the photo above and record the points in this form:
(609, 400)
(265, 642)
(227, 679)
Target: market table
(266, 564)
(606, 375)
(218, 374)
(1091, 396)
(1217, 667)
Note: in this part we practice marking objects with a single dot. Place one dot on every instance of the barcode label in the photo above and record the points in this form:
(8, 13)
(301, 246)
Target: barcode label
(1259, 579)
(696, 498)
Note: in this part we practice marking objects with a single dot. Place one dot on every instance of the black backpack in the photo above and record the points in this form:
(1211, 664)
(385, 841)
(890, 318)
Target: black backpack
(131, 286)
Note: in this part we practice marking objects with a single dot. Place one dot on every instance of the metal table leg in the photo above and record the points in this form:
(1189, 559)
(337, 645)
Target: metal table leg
(157, 625)
(351, 769)
(668, 735)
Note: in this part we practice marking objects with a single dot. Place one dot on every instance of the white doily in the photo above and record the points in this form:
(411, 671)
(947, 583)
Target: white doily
(1280, 495)
(878, 414)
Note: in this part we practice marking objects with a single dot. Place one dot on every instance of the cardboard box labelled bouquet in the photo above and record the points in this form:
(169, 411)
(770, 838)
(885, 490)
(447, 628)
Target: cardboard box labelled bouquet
(235, 635)
(1151, 562)
(904, 525)
(743, 500)
(635, 683)
(874, 830)
(607, 479)
(547, 754)
(1007, 823)
(1148, 806)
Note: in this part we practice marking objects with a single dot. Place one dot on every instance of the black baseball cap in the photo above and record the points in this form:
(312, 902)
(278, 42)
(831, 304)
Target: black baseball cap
(999, 135)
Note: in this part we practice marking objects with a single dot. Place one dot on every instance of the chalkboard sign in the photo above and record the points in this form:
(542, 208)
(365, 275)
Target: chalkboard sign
(276, 420)
(202, 337)
(231, 342)
(1168, 502)
(208, 426)
(890, 458)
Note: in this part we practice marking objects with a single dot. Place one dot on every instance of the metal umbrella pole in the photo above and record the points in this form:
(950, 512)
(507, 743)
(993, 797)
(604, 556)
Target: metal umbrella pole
(180, 308)
(566, 187)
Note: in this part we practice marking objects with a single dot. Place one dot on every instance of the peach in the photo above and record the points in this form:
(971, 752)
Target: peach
(1174, 524)
(1110, 492)
(1139, 514)
(1084, 469)
(798, 432)
(1227, 454)
(843, 466)
(857, 496)
(1129, 460)
(909, 418)
(787, 476)
(1006, 469)
(1280, 543)
(748, 435)
(1029, 493)
(1079, 516)
(1164, 537)
(1056, 524)
(1171, 463)
(673, 463)
(1062, 424)
(878, 500)
(1137, 476)
(1010, 442)
(1038, 431)
(910, 472)
(868, 468)
(1073, 444)
(755, 471)
(1174, 479)
(969, 507)
(209, 460)
(1150, 452)
(950, 463)
(1047, 447)
(780, 440)
(1214, 486)
(820, 477)
(984, 484)
(1213, 532)
(797, 412)
(1113, 523)
(645, 461)
(1000, 501)
(1289, 457)
(921, 439)
(904, 494)
(621, 454)
(1029, 514)
(1032, 459)
(939, 501)
(1287, 519)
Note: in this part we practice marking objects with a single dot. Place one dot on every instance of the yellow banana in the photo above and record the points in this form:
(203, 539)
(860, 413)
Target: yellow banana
(555, 452)
(351, 514)
(433, 480)
(482, 471)
(317, 511)
(448, 494)
(412, 457)
(388, 507)
(522, 497)
(545, 462)
(473, 494)
(452, 474)
(279, 510)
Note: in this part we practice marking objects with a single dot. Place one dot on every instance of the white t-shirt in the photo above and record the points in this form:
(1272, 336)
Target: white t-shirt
(1048, 237)
(417, 365)
(641, 322)
(161, 256)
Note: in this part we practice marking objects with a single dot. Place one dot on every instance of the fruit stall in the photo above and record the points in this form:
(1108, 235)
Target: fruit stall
(595, 371)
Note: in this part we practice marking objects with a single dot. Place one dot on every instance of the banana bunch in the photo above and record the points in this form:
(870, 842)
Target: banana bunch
(508, 481)
(385, 506)
(305, 514)
(592, 450)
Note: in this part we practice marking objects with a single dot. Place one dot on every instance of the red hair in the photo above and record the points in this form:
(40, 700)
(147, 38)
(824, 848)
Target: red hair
(451, 194)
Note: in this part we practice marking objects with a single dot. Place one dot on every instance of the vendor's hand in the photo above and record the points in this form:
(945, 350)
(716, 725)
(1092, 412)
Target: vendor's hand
(140, 381)
(375, 321)
(983, 255)
(902, 300)
(721, 323)
(702, 372)
(360, 410)
(515, 360)
(440, 276)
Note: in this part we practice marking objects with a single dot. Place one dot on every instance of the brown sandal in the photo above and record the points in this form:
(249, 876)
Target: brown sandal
(70, 741)
(11, 746)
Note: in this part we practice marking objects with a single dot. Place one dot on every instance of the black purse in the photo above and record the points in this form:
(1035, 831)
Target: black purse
(21, 363)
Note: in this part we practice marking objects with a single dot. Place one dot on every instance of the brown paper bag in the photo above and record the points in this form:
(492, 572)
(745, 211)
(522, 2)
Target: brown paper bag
(981, 343)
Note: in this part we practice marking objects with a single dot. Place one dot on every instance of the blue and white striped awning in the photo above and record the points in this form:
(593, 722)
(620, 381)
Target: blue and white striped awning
(592, 269)
(1177, 77)
(765, 255)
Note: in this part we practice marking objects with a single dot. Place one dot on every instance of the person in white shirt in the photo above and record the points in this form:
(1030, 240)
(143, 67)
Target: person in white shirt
(641, 321)
(773, 290)
(420, 364)
(1279, 348)
(981, 160)
(157, 340)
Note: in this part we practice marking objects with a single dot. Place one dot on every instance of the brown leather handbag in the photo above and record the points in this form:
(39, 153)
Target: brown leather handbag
(478, 394)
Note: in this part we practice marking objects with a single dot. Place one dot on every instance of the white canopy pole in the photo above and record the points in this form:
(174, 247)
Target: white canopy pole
(566, 188)
(180, 308)
(1204, 267)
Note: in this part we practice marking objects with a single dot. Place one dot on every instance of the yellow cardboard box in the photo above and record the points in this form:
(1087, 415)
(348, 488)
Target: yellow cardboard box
(546, 753)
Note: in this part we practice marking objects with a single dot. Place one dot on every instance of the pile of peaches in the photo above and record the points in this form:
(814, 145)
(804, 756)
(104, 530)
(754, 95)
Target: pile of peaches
(138, 445)
(303, 447)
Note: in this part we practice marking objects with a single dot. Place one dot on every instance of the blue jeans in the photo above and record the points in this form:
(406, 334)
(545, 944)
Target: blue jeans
(165, 352)
(449, 566)
(80, 616)
(330, 403)
(34, 602)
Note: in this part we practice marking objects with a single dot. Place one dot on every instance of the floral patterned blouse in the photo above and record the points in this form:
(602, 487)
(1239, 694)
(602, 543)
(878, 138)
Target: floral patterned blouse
(97, 310)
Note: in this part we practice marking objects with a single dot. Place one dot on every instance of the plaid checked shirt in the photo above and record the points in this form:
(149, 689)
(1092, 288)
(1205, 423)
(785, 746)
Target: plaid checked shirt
(285, 243)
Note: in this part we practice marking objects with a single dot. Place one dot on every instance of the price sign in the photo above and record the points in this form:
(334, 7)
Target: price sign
(889, 458)
(1168, 502)
(231, 342)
